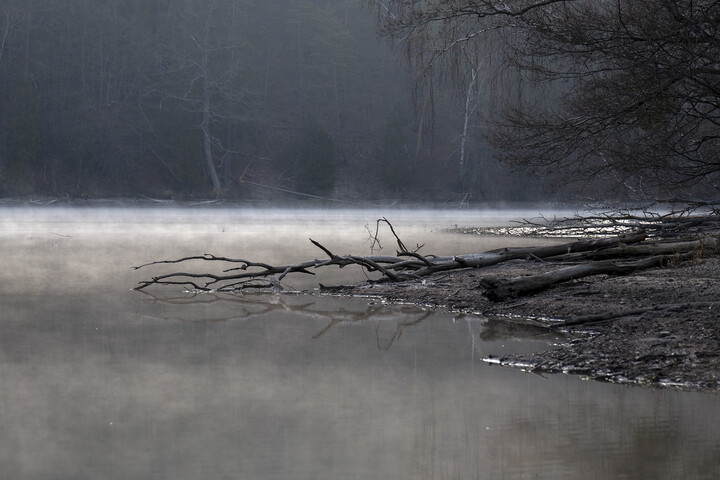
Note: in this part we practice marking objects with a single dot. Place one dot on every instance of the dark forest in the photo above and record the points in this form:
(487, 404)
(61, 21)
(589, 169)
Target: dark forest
(431, 101)
(223, 98)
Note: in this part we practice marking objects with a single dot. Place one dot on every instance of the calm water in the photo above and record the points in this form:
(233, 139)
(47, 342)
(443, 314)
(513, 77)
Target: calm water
(99, 381)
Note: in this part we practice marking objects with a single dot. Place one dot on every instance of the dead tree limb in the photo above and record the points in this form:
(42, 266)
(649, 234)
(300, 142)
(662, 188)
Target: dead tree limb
(499, 290)
(666, 225)
(376, 241)
(655, 248)
(392, 268)
(493, 257)
(612, 255)
(206, 257)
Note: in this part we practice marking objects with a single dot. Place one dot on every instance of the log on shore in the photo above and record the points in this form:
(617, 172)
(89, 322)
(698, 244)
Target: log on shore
(621, 254)
(499, 290)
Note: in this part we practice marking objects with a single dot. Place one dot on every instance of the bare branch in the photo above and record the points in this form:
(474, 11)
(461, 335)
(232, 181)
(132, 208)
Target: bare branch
(618, 254)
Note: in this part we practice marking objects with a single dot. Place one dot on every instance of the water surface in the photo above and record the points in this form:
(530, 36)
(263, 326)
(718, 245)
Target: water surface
(99, 381)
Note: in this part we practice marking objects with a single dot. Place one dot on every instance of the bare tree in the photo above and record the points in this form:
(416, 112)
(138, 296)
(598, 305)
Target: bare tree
(202, 71)
(636, 83)
(6, 25)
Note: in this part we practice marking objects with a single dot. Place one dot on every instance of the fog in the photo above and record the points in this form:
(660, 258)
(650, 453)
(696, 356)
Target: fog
(78, 244)
(142, 130)
(232, 99)
(98, 380)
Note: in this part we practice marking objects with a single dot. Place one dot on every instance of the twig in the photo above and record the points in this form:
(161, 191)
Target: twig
(321, 247)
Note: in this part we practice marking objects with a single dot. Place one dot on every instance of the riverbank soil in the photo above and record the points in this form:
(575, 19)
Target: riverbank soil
(665, 331)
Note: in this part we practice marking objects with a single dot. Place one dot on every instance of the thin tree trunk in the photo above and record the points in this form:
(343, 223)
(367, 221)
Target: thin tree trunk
(5, 35)
(422, 121)
(206, 140)
(337, 99)
(469, 108)
(207, 143)
(27, 36)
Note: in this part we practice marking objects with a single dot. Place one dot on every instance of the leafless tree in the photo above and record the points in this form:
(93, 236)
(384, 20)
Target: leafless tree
(203, 71)
(634, 84)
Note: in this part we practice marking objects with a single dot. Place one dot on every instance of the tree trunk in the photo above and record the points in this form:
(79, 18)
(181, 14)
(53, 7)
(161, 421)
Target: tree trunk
(493, 257)
(469, 109)
(499, 290)
(207, 143)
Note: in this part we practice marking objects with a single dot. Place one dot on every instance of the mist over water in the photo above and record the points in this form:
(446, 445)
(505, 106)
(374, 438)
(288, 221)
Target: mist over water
(99, 381)
(90, 245)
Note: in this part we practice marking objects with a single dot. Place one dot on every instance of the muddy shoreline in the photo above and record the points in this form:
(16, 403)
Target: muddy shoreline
(676, 348)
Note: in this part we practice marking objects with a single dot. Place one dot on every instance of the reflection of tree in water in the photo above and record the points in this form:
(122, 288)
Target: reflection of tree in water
(252, 306)
(247, 307)
(398, 330)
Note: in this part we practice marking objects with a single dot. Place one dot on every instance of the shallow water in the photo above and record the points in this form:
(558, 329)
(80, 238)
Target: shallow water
(99, 381)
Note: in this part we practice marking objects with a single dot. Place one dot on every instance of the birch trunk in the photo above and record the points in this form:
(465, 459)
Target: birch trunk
(207, 139)
(469, 109)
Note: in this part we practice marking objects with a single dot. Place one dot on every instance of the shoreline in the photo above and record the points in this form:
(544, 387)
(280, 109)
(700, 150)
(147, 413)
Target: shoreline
(674, 343)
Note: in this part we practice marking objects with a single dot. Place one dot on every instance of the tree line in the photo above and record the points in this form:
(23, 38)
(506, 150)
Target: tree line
(247, 99)
(200, 98)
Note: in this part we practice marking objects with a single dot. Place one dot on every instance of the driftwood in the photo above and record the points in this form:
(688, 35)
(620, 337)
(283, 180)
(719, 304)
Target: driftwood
(692, 218)
(405, 265)
(617, 255)
(653, 255)
(498, 290)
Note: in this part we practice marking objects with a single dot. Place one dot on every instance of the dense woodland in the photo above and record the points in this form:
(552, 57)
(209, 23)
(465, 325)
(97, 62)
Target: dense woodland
(206, 98)
(360, 100)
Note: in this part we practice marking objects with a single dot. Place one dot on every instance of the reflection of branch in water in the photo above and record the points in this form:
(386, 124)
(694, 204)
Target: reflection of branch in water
(472, 343)
(376, 327)
(398, 330)
(470, 319)
(350, 317)
(327, 327)
(246, 307)
(261, 305)
(358, 317)
(200, 297)
(401, 326)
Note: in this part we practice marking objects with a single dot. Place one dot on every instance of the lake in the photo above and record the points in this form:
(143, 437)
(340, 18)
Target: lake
(100, 381)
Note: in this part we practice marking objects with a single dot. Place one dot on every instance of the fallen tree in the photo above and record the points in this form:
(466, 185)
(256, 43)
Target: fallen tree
(660, 254)
(498, 290)
(617, 255)
(405, 265)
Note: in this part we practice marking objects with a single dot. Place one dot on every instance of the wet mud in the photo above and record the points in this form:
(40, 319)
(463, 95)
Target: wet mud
(674, 344)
